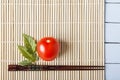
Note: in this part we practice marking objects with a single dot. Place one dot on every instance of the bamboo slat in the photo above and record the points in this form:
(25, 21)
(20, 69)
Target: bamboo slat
(77, 24)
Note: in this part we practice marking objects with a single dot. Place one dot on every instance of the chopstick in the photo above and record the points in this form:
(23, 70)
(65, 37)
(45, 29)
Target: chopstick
(52, 67)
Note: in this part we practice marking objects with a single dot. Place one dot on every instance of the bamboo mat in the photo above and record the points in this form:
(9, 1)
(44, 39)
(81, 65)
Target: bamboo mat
(77, 24)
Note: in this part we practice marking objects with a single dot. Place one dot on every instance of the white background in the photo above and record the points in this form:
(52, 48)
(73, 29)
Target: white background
(112, 39)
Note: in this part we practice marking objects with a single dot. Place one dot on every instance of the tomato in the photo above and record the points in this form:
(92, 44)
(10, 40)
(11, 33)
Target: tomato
(48, 48)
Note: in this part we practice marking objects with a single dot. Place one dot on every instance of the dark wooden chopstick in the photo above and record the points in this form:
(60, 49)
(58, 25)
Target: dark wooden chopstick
(52, 67)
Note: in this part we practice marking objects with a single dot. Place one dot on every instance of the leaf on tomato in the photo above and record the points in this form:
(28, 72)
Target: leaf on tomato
(28, 51)
(26, 54)
(30, 43)
(25, 63)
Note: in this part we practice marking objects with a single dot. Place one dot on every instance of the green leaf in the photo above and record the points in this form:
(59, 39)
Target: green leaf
(30, 43)
(25, 63)
(36, 56)
(28, 51)
(26, 54)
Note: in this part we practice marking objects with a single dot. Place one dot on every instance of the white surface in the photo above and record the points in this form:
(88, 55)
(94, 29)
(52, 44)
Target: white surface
(112, 0)
(112, 33)
(112, 12)
(112, 53)
(113, 71)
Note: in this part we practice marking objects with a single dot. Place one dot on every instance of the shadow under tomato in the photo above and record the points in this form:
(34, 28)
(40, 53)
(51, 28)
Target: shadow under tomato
(63, 48)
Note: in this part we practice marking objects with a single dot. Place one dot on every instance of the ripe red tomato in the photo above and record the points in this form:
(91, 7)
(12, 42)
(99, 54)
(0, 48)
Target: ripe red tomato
(48, 48)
